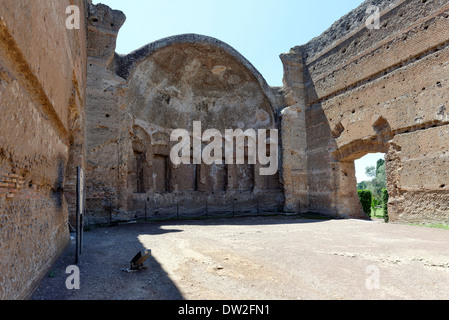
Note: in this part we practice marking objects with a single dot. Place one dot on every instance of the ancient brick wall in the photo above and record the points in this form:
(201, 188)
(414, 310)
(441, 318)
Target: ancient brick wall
(195, 78)
(379, 90)
(67, 100)
(106, 126)
(42, 94)
(134, 103)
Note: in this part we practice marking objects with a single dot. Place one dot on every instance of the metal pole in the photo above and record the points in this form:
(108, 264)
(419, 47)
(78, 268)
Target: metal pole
(82, 233)
(77, 248)
(258, 211)
(79, 212)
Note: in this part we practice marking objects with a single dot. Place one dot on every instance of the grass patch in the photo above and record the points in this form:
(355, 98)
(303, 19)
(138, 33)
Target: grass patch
(432, 225)
(377, 213)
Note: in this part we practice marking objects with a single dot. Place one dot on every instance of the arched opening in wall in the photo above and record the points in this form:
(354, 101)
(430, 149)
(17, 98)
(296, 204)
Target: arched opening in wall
(272, 181)
(161, 174)
(346, 198)
(140, 172)
(245, 177)
(372, 185)
(224, 93)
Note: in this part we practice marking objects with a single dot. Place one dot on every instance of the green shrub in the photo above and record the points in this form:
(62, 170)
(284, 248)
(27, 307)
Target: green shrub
(385, 198)
(366, 198)
(375, 203)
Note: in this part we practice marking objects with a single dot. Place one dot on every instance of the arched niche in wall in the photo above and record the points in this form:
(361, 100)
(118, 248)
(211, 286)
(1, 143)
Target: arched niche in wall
(138, 167)
(175, 81)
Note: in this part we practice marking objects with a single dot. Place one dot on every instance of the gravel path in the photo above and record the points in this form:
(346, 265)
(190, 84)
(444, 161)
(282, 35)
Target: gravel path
(270, 258)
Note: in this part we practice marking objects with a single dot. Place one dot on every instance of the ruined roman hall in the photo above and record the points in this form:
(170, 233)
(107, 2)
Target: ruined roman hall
(68, 100)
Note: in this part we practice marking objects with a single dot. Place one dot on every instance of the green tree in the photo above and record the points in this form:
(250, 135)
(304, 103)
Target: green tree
(378, 181)
(366, 198)
(385, 197)
(371, 171)
(380, 164)
(362, 185)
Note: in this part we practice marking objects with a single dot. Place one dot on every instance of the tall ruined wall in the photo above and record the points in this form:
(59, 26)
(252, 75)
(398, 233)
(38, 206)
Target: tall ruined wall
(106, 126)
(134, 103)
(190, 78)
(295, 175)
(380, 90)
(42, 81)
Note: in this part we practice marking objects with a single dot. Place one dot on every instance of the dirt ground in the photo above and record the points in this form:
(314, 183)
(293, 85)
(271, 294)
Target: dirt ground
(258, 258)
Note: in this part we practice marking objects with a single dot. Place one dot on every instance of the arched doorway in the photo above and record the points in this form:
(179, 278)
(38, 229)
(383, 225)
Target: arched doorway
(371, 176)
(347, 202)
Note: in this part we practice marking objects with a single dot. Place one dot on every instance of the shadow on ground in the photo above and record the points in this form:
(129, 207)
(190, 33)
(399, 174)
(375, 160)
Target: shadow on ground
(109, 250)
(106, 253)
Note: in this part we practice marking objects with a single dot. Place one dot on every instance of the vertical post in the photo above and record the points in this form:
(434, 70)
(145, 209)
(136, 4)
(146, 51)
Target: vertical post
(81, 231)
(77, 241)
(258, 210)
(79, 213)
(145, 211)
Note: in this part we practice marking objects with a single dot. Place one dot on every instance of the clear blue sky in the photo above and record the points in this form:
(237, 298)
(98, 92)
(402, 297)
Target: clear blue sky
(259, 29)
